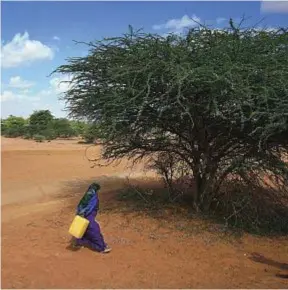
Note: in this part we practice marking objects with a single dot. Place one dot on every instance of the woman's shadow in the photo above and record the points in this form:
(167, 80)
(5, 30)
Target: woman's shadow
(72, 246)
(263, 260)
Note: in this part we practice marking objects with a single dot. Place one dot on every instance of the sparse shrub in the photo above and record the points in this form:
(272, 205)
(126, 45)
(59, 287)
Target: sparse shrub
(62, 128)
(91, 133)
(177, 176)
(39, 138)
(252, 208)
(49, 134)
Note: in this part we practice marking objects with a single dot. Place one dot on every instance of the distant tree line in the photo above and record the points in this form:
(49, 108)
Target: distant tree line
(42, 125)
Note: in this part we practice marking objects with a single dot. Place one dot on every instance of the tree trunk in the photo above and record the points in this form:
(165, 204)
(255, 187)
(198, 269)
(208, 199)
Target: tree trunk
(198, 191)
(205, 190)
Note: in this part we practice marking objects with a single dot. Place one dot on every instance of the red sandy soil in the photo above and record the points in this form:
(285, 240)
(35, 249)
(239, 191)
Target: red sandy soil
(41, 185)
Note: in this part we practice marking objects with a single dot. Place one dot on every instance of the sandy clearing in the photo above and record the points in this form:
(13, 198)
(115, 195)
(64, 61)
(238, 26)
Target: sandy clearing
(41, 184)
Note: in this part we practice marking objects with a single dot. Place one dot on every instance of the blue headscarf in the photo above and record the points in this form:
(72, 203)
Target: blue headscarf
(89, 202)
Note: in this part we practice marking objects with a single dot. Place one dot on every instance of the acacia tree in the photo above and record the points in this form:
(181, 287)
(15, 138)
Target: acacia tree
(215, 101)
(39, 121)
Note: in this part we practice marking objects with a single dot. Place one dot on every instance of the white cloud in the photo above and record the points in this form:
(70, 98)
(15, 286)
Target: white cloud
(58, 85)
(177, 25)
(18, 83)
(21, 102)
(56, 38)
(220, 20)
(12, 96)
(25, 91)
(274, 6)
(22, 50)
(46, 93)
(7, 96)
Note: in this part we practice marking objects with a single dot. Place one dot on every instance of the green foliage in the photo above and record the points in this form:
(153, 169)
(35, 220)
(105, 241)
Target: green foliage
(13, 126)
(78, 127)
(39, 121)
(3, 127)
(49, 133)
(39, 138)
(214, 101)
(27, 136)
(91, 133)
(62, 128)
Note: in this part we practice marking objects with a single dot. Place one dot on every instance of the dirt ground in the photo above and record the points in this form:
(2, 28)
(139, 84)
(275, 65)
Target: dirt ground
(41, 185)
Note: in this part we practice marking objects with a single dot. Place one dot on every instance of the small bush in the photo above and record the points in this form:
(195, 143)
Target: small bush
(238, 207)
(145, 197)
(256, 210)
(27, 137)
(92, 133)
(39, 138)
(49, 134)
(11, 133)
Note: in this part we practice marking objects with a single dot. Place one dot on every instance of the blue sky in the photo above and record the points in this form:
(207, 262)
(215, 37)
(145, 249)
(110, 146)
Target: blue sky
(38, 36)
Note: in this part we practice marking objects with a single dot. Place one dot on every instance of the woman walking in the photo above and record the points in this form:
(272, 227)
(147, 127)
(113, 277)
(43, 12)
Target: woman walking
(88, 208)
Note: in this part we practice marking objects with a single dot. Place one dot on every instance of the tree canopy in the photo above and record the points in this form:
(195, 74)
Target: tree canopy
(13, 126)
(215, 102)
(39, 120)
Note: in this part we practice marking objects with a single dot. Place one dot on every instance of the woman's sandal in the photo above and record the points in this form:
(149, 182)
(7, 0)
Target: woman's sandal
(106, 250)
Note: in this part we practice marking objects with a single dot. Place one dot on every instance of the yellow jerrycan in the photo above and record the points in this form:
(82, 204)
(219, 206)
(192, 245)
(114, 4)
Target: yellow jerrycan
(78, 227)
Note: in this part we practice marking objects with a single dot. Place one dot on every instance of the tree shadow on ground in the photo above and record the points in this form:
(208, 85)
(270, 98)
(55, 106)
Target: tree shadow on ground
(148, 197)
(256, 257)
(238, 209)
(73, 190)
(145, 198)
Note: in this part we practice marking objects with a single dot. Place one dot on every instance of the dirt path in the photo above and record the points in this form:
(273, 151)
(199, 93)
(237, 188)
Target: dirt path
(41, 184)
